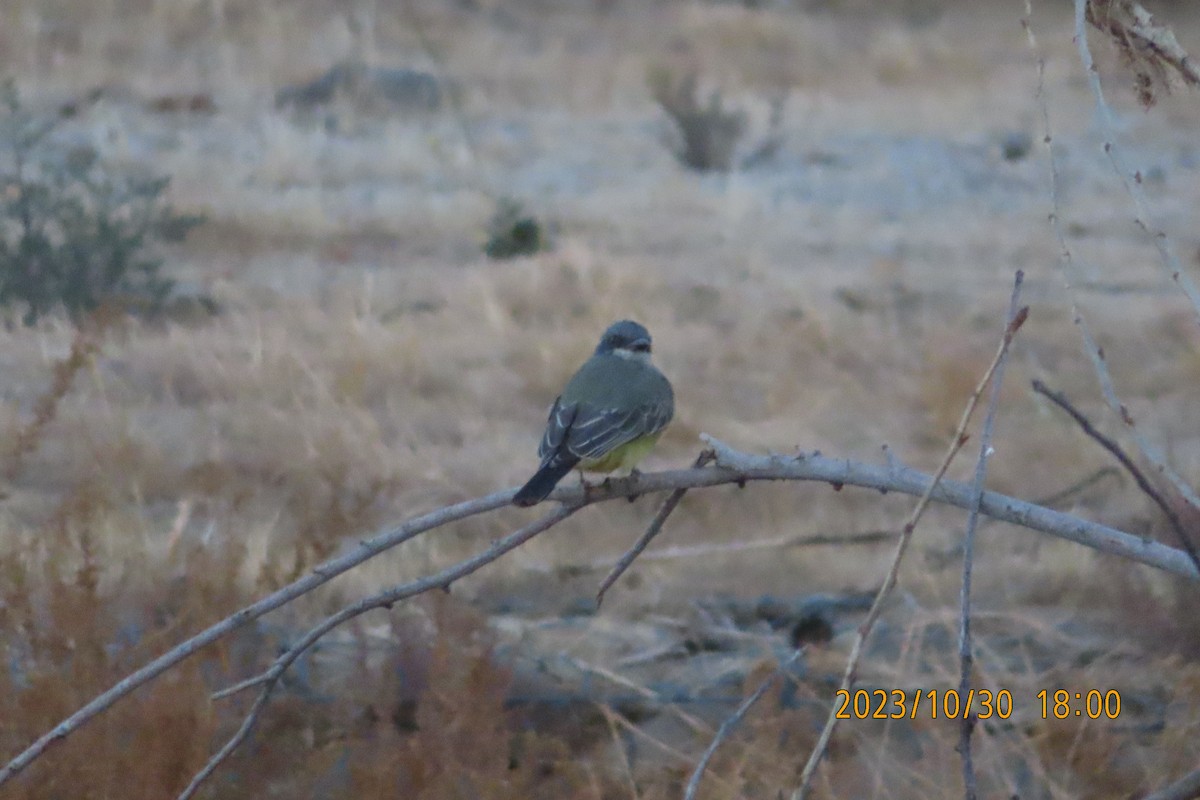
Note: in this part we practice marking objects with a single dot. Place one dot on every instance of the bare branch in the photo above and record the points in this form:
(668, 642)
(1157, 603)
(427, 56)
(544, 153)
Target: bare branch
(655, 526)
(864, 629)
(733, 467)
(733, 721)
(386, 599)
(965, 658)
(1139, 477)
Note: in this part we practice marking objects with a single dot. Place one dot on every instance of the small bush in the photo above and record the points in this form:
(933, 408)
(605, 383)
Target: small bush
(709, 132)
(512, 232)
(72, 233)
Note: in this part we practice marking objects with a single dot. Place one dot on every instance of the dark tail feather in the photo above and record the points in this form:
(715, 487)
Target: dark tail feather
(543, 482)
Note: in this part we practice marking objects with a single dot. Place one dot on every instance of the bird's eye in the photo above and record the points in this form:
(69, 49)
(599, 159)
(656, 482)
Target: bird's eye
(641, 347)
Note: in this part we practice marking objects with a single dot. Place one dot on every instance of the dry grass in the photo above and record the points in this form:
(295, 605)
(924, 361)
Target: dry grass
(370, 364)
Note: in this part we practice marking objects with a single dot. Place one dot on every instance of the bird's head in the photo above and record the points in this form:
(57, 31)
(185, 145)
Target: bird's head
(626, 339)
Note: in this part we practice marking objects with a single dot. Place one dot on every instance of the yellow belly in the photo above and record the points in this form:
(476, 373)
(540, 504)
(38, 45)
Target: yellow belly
(625, 457)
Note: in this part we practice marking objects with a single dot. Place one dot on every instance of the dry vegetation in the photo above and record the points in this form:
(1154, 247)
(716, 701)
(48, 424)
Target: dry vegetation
(369, 363)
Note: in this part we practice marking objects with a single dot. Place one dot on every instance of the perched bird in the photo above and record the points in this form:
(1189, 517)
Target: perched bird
(608, 416)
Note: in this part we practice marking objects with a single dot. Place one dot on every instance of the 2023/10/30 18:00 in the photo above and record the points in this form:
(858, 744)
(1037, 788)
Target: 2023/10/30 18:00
(898, 704)
(983, 703)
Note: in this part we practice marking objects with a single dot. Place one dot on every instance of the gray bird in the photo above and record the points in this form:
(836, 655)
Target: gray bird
(609, 415)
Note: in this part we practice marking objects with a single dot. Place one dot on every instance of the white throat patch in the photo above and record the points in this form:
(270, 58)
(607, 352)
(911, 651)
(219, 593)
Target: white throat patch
(632, 355)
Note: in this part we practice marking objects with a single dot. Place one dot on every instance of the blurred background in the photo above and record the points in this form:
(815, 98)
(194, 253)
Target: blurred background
(279, 274)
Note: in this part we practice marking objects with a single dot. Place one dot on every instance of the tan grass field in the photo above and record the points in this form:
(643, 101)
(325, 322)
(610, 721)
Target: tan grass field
(369, 363)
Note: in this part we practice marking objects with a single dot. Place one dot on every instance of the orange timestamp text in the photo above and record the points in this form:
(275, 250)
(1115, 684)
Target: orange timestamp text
(1093, 704)
(898, 704)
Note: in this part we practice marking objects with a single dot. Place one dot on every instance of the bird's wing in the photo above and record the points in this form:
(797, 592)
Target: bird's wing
(558, 425)
(596, 431)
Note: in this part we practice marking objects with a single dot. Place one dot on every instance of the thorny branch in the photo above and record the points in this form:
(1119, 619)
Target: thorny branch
(733, 467)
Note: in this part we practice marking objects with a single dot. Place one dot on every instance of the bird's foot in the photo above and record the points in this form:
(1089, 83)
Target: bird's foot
(611, 483)
(634, 474)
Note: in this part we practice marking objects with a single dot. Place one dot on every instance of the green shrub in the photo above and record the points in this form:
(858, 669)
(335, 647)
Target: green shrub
(512, 232)
(74, 234)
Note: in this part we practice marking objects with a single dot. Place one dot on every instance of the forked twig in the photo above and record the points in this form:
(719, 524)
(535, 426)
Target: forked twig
(320, 575)
(656, 524)
(864, 629)
(1059, 399)
(965, 657)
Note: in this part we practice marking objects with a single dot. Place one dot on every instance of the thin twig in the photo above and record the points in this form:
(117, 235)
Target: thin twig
(639, 732)
(965, 657)
(386, 599)
(619, 746)
(864, 629)
(655, 526)
(733, 721)
(1118, 453)
(1186, 788)
(238, 688)
(1079, 486)
(698, 726)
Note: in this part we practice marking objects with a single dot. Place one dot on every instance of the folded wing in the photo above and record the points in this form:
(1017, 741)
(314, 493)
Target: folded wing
(589, 432)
